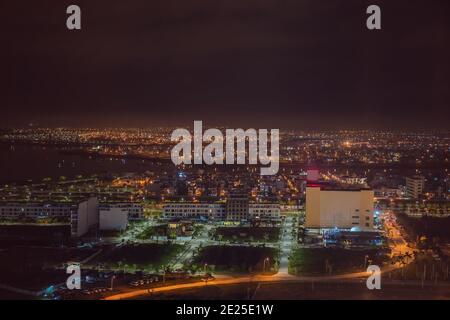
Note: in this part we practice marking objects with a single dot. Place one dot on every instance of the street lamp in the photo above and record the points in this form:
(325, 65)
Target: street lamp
(204, 267)
(365, 260)
(264, 264)
(112, 282)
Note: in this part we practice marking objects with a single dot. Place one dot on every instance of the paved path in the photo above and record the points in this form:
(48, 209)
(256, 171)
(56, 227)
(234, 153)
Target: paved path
(286, 246)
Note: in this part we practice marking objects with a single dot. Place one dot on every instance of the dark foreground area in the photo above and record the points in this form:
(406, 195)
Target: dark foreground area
(309, 290)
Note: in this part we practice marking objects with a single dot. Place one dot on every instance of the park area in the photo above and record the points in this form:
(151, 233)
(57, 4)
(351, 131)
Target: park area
(22, 259)
(130, 258)
(429, 230)
(329, 261)
(33, 267)
(152, 231)
(245, 259)
(247, 234)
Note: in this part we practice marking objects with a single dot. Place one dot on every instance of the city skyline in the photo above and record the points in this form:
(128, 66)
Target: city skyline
(230, 152)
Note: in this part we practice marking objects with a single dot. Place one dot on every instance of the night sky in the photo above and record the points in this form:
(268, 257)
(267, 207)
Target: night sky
(304, 64)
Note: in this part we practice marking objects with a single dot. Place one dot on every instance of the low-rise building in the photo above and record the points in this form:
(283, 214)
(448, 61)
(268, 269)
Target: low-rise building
(218, 211)
(194, 210)
(113, 217)
(237, 206)
(82, 216)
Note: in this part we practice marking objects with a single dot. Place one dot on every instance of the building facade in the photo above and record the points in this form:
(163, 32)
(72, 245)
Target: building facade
(135, 210)
(417, 209)
(339, 208)
(415, 186)
(85, 218)
(194, 210)
(17, 210)
(264, 211)
(113, 217)
(81, 216)
(237, 206)
(218, 211)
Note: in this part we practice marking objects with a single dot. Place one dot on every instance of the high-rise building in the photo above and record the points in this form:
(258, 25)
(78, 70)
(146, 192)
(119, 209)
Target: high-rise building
(330, 207)
(85, 218)
(218, 211)
(415, 186)
(237, 206)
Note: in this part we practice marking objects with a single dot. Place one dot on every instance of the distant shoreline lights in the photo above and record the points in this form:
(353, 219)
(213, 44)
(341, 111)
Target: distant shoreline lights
(235, 147)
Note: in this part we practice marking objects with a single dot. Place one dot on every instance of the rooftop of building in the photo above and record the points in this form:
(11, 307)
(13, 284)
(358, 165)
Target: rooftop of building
(332, 186)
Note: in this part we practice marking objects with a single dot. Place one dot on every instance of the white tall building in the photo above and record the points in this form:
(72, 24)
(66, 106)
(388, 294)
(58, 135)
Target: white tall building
(113, 218)
(339, 208)
(265, 211)
(85, 218)
(34, 210)
(218, 211)
(312, 175)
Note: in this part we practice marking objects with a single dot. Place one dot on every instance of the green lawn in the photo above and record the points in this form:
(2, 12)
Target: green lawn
(141, 256)
(236, 258)
(306, 261)
(23, 259)
(434, 229)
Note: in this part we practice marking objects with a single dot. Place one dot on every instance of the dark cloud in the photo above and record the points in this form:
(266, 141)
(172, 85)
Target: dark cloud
(291, 63)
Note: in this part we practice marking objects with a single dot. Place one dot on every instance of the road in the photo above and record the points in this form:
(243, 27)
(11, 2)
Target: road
(286, 245)
(398, 245)
(238, 280)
